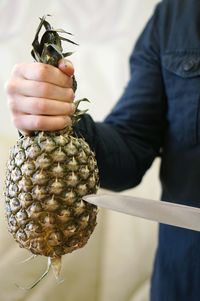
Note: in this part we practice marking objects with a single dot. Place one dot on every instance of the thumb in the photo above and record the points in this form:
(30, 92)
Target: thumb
(66, 67)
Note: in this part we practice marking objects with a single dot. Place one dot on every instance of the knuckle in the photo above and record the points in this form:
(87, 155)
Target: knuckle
(43, 89)
(41, 107)
(16, 69)
(41, 71)
(16, 120)
(10, 87)
(38, 123)
(71, 94)
(12, 105)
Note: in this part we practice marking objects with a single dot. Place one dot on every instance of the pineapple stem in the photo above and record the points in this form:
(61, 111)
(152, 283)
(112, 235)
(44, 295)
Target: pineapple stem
(56, 267)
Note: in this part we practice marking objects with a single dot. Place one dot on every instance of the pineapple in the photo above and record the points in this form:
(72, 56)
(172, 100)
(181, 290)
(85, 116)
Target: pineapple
(48, 173)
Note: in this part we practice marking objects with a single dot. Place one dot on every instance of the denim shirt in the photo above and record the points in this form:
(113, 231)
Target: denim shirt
(158, 115)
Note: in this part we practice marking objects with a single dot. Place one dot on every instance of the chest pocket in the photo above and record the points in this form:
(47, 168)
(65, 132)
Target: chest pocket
(181, 73)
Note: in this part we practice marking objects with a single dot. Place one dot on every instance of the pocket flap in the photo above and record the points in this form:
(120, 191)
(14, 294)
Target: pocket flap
(184, 64)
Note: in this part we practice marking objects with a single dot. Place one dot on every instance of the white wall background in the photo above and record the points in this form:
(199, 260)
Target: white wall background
(116, 264)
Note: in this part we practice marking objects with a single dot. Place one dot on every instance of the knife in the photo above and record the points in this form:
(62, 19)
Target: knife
(163, 212)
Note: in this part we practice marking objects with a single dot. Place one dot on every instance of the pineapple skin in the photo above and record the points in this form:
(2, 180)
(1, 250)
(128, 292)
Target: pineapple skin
(47, 176)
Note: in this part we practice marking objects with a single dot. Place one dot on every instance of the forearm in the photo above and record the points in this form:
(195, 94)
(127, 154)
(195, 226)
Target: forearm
(122, 161)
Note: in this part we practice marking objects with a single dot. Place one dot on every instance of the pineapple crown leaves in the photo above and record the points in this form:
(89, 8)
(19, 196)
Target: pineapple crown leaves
(49, 49)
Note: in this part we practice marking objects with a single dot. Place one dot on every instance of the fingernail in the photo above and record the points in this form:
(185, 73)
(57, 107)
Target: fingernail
(68, 120)
(64, 63)
(73, 108)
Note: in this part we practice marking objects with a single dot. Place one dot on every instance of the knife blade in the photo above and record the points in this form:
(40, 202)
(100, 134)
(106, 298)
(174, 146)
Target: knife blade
(163, 212)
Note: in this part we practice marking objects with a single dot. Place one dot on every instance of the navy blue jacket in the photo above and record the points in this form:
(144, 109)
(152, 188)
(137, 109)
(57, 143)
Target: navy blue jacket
(159, 115)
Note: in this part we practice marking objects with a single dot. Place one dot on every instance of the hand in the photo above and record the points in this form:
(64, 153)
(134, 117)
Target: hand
(40, 96)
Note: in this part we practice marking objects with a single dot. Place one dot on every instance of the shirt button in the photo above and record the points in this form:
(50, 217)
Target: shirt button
(188, 66)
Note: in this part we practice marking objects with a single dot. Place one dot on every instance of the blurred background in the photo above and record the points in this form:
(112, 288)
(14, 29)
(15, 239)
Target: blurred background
(116, 264)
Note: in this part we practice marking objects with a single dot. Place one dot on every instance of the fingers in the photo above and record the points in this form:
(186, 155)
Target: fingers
(29, 123)
(40, 106)
(32, 88)
(45, 73)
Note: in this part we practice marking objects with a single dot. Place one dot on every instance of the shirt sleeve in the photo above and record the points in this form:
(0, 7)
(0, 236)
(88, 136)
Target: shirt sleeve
(131, 136)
